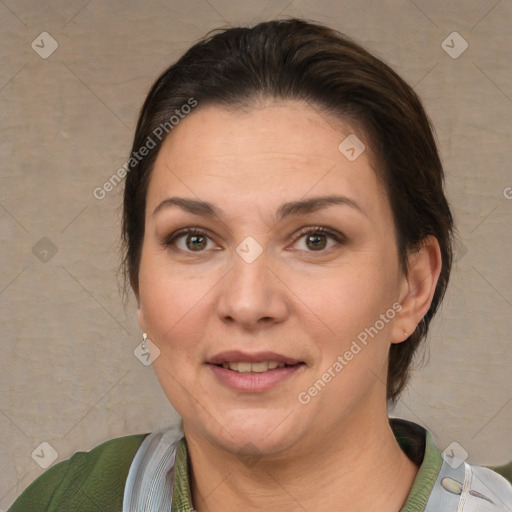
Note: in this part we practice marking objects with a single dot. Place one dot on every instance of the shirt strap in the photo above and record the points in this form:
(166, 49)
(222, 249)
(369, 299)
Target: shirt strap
(461, 487)
(149, 484)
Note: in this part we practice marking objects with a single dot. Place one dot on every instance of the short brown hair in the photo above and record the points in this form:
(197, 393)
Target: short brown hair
(299, 60)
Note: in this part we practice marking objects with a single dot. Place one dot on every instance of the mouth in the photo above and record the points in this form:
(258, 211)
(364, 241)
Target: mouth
(252, 363)
(262, 367)
(253, 372)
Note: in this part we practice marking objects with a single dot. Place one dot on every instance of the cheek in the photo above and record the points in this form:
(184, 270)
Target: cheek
(172, 302)
(171, 310)
(349, 296)
(347, 309)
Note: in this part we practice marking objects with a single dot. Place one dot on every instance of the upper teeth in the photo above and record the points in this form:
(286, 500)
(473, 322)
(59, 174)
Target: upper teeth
(244, 367)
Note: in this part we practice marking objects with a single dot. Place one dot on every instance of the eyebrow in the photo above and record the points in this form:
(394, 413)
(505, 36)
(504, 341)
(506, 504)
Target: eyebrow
(303, 206)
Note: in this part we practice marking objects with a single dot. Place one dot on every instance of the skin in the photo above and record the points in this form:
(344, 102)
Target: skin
(302, 302)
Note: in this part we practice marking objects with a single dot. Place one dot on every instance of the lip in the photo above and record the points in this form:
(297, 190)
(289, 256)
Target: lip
(254, 382)
(233, 356)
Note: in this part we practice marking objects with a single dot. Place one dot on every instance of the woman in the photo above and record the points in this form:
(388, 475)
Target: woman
(288, 241)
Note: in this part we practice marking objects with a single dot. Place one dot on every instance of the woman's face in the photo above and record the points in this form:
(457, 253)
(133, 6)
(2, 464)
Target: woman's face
(258, 285)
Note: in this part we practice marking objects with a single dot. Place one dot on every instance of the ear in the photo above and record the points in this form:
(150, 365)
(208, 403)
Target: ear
(418, 287)
(140, 317)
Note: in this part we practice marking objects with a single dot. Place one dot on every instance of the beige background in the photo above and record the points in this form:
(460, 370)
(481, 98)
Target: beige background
(69, 376)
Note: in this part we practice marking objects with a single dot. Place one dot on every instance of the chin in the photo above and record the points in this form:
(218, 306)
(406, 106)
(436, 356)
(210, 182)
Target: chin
(252, 433)
(255, 444)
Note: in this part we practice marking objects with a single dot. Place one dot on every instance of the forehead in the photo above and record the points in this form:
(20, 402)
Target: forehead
(283, 148)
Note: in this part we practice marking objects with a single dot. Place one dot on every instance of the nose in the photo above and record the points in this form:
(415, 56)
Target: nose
(252, 295)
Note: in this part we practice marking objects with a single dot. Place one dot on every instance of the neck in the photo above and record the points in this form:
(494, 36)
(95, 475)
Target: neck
(353, 468)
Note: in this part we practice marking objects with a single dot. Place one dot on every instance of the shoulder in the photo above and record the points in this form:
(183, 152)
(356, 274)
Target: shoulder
(470, 488)
(505, 471)
(446, 482)
(488, 485)
(91, 480)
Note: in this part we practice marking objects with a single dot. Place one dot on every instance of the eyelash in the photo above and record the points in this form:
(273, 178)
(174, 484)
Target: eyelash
(312, 230)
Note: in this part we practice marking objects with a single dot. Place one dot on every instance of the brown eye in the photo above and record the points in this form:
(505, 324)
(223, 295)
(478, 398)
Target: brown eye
(196, 242)
(316, 242)
(317, 239)
(189, 240)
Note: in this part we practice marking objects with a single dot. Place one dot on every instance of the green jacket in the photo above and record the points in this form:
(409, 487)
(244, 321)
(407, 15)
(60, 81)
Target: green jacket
(88, 481)
(95, 480)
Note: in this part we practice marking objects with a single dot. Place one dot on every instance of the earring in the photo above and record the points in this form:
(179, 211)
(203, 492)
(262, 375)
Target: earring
(144, 338)
(405, 333)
